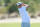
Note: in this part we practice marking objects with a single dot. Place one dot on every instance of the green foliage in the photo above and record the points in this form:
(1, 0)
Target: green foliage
(7, 1)
(3, 10)
(37, 1)
(34, 5)
(26, 1)
(0, 2)
(13, 8)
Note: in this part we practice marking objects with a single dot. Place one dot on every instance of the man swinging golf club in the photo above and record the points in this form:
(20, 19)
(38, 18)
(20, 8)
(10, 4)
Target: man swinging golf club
(24, 15)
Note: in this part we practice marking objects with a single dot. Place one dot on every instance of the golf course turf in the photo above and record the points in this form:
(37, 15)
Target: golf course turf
(17, 24)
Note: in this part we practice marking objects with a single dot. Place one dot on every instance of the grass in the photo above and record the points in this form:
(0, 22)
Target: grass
(17, 24)
(35, 24)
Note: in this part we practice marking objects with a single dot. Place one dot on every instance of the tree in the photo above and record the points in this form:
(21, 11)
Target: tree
(6, 2)
(0, 2)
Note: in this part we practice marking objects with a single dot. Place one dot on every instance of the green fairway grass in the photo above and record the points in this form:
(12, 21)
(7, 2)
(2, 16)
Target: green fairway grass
(17, 24)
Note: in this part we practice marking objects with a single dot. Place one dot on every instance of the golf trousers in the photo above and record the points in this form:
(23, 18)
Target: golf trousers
(25, 24)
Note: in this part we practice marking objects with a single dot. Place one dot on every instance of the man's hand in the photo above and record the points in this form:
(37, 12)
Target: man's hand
(24, 4)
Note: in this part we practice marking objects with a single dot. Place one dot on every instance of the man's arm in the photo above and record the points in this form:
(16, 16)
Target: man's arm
(25, 5)
(28, 6)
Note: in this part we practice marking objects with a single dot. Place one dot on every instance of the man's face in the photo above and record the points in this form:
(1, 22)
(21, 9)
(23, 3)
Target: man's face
(19, 6)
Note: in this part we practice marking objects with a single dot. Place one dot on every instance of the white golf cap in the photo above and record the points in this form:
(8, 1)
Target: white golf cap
(19, 3)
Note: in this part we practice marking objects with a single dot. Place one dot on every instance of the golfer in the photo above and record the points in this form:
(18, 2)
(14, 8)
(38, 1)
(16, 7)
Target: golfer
(24, 15)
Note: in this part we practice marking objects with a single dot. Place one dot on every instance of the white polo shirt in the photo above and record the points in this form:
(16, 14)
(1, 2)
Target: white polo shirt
(24, 15)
